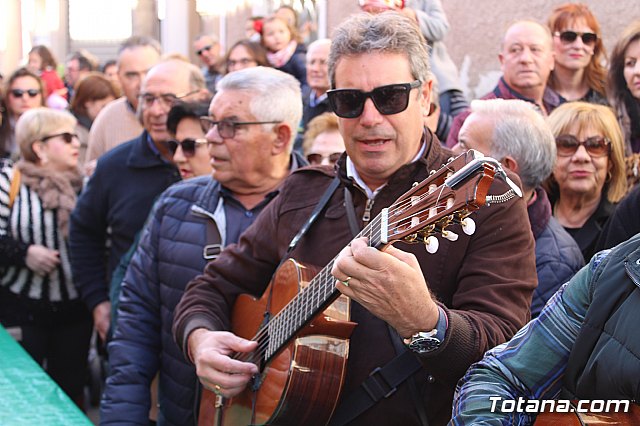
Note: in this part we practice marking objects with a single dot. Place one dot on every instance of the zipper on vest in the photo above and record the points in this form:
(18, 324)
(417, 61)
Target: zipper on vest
(366, 216)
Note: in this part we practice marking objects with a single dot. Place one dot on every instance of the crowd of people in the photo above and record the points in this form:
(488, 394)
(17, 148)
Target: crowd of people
(143, 200)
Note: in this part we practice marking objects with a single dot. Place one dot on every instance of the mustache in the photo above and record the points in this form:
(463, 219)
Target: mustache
(374, 134)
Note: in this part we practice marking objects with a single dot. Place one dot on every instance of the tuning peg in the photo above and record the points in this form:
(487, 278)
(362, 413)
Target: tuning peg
(432, 244)
(451, 236)
(468, 226)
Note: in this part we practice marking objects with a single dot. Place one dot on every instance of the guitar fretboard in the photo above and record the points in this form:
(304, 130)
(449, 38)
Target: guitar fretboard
(315, 297)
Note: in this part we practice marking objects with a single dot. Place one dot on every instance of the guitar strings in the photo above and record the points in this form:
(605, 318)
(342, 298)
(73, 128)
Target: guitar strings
(319, 282)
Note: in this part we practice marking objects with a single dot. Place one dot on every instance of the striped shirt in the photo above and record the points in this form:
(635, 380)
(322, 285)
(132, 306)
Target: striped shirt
(532, 364)
(29, 223)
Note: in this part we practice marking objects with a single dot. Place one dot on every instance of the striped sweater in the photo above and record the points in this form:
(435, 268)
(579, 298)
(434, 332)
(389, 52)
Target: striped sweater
(28, 223)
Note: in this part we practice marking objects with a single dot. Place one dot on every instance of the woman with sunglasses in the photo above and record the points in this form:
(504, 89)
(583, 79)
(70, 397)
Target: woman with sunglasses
(589, 175)
(624, 85)
(579, 72)
(37, 293)
(323, 143)
(23, 91)
(189, 146)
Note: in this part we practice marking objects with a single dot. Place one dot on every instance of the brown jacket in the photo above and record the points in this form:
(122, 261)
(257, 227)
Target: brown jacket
(484, 282)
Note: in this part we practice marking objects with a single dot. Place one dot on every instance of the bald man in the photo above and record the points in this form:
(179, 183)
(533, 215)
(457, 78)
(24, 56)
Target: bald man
(526, 60)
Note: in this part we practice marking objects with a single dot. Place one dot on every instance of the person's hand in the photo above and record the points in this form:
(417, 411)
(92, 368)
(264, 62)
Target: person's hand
(41, 259)
(388, 284)
(102, 318)
(211, 353)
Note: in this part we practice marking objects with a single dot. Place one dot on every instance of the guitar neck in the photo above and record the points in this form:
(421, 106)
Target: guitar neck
(314, 298)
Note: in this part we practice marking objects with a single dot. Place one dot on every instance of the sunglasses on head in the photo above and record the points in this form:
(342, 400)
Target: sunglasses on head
(188, 146)
(66, 136)
(18, 93)
(567, 37)
(596, 146)
(390, 99)
(206, 48)
(315, 159)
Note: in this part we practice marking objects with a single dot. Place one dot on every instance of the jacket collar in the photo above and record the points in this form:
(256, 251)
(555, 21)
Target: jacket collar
(210, 197)
(632, 265)
(141, 156)
(550, 98)
(433, 152)
(539, 212)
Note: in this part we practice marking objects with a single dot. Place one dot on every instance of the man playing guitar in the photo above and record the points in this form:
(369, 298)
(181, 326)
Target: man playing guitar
(444, 309)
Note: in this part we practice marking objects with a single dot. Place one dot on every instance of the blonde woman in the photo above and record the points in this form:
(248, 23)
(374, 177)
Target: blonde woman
(36, 290)
(589, 176)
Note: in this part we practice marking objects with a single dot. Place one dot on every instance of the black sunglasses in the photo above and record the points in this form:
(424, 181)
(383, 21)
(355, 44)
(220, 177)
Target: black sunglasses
(390, 99)
(589, 39)
(66, 136)
(188, 146)
(596, 146)
(18, 93)
(207, 48)
(315, 159)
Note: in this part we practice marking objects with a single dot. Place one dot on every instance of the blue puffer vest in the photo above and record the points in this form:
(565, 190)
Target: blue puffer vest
(605, 360)
(170, 254)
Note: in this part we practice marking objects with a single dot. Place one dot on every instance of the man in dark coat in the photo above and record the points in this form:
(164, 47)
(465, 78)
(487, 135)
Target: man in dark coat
(178, 241)
(450, 307)
(513, 132)
(119, 195)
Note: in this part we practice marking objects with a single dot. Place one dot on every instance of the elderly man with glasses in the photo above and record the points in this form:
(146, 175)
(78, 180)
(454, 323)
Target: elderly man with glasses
(248, 135)
(415, 320)
(127, 179)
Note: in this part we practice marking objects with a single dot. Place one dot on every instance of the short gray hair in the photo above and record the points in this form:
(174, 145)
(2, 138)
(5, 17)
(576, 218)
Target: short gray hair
(275, 94)
(388, 32)
(522, 133)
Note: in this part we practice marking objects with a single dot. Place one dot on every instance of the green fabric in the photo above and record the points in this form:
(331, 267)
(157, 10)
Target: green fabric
(28, 396)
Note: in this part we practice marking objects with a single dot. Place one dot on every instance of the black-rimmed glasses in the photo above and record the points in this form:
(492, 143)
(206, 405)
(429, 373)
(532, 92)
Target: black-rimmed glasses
(596, 146)
(567, 37)
(227, 128)
(188, 146)
(66, 136)
(166, 99)
(390, 99)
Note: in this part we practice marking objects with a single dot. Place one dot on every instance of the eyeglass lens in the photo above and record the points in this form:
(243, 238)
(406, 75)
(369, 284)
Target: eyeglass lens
(391, 99)
(206, 48)
(18, 93)
(188, 146)
(315, 159)
(66, 137)
(596, 146)
(570, 36)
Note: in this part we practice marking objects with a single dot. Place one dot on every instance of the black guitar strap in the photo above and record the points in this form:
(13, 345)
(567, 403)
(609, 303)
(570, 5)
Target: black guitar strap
(382, 381)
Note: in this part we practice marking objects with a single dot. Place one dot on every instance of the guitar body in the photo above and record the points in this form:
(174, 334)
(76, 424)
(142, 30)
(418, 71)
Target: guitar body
(301, 384)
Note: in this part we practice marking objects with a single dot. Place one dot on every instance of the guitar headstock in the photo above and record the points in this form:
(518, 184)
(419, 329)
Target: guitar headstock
(446, 197)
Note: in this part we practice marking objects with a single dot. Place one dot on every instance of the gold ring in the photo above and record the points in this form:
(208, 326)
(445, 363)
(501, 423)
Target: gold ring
(217, 389)
(346, 282)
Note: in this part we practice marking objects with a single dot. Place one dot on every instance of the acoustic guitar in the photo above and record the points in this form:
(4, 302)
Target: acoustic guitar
(301, 323)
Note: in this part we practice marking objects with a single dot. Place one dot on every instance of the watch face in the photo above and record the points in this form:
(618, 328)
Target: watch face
(424, 344)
